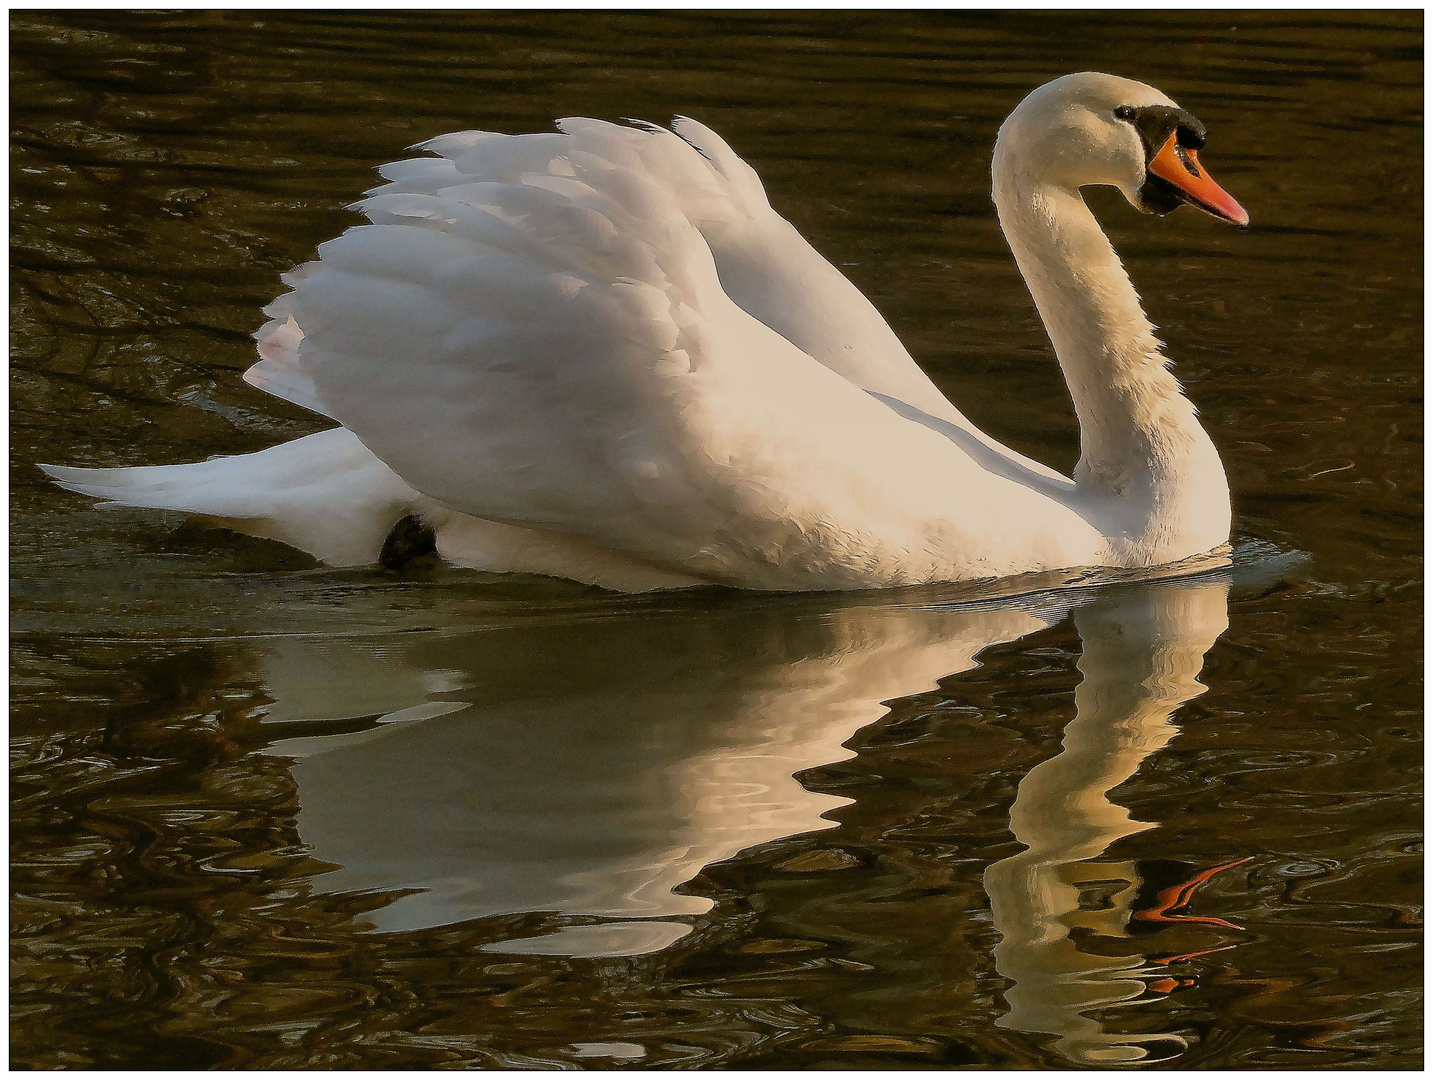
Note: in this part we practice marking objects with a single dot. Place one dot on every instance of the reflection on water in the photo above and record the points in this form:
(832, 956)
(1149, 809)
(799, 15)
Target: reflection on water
(625, 756)
(632, 752)
(562, 788)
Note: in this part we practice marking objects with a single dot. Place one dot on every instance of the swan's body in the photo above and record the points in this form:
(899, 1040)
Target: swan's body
(600, 354)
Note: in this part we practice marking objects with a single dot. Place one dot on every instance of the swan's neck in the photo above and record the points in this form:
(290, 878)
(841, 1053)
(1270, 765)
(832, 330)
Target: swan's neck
(1142, 449)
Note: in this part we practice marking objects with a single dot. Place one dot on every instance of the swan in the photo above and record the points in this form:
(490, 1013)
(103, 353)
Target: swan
(600, 354)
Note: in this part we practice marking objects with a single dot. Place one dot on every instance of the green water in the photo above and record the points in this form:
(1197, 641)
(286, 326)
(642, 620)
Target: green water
(270, 816)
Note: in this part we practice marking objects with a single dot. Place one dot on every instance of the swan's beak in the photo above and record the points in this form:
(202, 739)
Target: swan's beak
(1179, 166)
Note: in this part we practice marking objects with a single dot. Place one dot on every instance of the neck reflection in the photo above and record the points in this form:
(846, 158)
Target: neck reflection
(1143, 650)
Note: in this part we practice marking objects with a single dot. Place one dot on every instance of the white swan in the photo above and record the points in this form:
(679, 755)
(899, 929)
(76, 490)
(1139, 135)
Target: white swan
(600, 354)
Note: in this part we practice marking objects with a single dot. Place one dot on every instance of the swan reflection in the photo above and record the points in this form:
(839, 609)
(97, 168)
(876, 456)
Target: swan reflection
(591, 767)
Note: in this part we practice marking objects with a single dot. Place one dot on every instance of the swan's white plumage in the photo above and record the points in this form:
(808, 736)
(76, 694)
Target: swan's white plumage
(599, 353)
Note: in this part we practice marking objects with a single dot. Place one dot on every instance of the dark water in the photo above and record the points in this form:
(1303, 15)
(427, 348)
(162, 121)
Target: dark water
(269, 816)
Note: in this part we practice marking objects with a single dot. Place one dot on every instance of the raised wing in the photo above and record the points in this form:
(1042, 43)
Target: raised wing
(532, 330)
(772, 273)
(764, 264)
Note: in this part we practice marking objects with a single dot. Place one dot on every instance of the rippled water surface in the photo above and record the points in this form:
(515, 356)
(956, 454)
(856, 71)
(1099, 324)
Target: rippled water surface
(267, 815)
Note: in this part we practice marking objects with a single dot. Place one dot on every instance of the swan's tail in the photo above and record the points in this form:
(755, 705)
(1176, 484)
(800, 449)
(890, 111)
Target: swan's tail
(325, 494)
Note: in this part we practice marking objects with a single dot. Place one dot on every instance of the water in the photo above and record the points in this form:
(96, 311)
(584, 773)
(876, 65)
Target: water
(270, 816)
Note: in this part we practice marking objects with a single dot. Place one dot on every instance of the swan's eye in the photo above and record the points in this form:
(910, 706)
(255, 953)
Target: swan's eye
(1124, 112)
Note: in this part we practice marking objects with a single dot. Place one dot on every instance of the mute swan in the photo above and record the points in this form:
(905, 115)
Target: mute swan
(600, 354)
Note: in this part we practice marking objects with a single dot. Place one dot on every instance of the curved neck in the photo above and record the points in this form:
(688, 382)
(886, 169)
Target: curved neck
(1129, 405)
(1143, 453)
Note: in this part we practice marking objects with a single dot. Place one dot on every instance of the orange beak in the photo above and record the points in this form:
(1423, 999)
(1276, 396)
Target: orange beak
(1180, 166)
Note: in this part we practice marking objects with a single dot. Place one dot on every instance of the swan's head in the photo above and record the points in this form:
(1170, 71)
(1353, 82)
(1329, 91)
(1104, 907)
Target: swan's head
(1092, 128)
